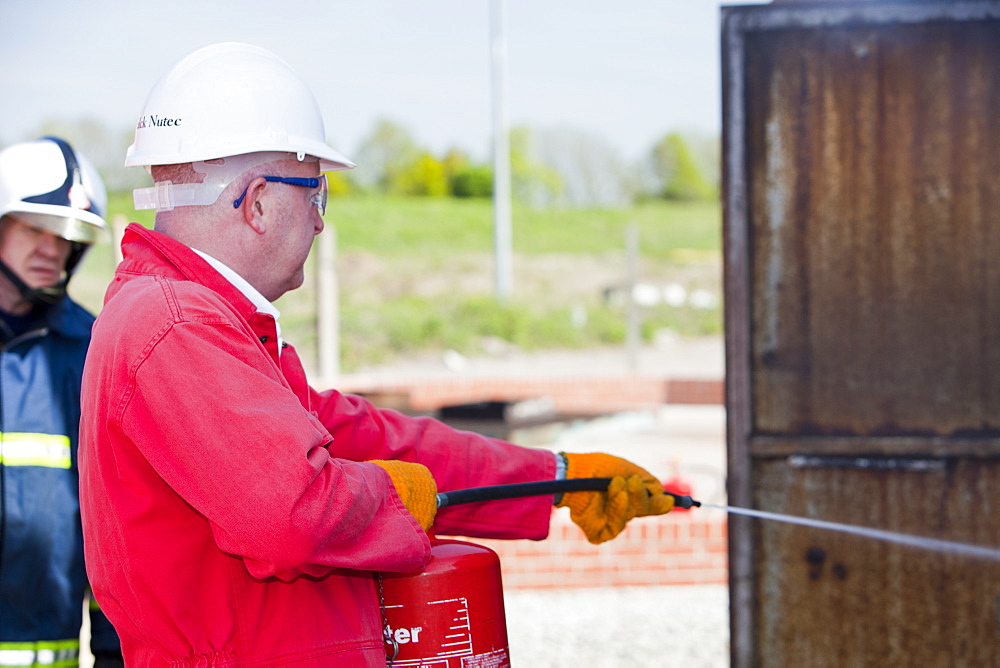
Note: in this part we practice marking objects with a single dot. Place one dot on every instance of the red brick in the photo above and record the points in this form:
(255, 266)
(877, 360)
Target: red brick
(578, 395)
(688, 551)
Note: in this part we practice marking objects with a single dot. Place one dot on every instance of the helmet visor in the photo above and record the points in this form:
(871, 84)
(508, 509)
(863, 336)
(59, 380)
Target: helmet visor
(71, 229)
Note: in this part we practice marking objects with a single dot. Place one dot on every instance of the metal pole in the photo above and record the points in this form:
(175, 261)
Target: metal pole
(501, 155)
(328, 306)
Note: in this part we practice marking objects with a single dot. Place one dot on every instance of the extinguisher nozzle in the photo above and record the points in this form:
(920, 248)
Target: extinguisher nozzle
(682, 501)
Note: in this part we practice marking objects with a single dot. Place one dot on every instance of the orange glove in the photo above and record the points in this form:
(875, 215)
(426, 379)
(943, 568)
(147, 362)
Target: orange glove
(633, 492)
(416, 488)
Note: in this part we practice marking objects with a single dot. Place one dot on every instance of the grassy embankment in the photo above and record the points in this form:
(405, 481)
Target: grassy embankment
(416, 276)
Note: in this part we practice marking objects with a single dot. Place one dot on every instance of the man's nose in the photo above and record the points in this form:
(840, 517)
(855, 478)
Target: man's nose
(48, 245)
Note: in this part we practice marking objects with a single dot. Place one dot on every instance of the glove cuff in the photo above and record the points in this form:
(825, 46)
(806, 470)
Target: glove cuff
(562, 469)
(416, 488)
(579, 466)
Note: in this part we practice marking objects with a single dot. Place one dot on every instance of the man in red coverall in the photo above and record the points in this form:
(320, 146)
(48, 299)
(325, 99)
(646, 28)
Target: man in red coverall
(232, 514)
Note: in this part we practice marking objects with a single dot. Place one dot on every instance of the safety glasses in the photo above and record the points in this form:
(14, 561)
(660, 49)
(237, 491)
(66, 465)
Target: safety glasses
(318, 198)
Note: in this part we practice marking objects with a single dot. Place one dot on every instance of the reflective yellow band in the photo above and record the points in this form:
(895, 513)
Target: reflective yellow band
(35, 450)
(58, 653)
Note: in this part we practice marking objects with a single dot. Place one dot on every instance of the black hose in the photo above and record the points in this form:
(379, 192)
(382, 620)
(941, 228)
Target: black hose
(517, 490)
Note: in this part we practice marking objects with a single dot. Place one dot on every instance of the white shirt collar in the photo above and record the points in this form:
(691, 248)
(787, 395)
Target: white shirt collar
(263, 306)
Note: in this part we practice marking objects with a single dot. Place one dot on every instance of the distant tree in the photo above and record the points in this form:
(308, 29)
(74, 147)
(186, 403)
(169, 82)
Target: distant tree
(472, 181)
(531, 181)
(466, 179)
(386, 153)
(676, 173)
(340, 183)
(707, 151)
(590, 171)
(424, 178)
(454, 161)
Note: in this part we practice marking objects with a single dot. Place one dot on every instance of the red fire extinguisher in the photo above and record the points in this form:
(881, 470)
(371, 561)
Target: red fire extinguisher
(451, 614)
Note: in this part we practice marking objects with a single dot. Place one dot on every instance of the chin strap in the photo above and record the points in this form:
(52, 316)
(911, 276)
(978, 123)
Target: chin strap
(45, 296)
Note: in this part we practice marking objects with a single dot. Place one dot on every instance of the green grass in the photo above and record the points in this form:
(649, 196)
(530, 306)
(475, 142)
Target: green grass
(415, 275)
(440, 226)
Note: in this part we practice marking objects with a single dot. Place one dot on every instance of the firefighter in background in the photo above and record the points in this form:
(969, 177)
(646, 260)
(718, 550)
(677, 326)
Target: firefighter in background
(51, 206)
(233, 514)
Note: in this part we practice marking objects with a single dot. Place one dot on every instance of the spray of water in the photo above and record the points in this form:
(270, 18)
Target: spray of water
(880, 534)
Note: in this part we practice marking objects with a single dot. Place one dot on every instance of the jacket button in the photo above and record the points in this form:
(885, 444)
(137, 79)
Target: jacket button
(263, 339)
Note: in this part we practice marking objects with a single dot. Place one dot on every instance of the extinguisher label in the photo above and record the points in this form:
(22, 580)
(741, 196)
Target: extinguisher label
(497, 659)
(438, 634)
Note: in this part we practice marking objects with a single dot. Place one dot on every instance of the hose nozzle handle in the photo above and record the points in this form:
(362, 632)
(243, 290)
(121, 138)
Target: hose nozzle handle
(517, 490)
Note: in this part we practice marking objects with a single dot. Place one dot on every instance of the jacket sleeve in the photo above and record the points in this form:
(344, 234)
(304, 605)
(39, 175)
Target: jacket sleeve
(215, 420)
(458, 459)
(103, 638)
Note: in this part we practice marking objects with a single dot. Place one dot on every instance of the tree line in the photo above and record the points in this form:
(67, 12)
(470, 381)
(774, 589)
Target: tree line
(559, 166)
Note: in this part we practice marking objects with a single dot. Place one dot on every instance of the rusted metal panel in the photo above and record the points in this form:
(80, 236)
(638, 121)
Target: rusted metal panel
(862, 244)
(875, 225)
(835, 599)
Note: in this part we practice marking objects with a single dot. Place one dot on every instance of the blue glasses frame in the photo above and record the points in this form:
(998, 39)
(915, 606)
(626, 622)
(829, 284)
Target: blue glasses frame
(318, 200)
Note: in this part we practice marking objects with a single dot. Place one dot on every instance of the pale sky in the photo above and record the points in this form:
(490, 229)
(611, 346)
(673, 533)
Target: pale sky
(627, 71)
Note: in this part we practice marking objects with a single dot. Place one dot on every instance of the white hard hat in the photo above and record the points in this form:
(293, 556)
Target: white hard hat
(230, 99)
(49, 185)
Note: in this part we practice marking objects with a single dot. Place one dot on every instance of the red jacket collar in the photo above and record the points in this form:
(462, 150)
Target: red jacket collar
(147, 252)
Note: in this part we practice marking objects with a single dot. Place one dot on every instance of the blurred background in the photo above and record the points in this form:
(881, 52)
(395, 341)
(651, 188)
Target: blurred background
(614, 121)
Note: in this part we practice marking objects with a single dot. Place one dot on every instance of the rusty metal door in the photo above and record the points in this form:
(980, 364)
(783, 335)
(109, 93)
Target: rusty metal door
(862, 245)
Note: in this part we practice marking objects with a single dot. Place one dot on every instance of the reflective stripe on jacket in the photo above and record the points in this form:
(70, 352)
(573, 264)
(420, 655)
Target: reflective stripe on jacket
(230, 516)
(46, 450)
(58, 653)
(42, 579)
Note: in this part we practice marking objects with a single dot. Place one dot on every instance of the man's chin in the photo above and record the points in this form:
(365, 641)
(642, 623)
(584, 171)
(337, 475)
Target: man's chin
(42, 279)
(294, 284)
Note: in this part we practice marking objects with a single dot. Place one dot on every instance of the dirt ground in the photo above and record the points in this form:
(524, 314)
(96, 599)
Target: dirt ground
(557, 278)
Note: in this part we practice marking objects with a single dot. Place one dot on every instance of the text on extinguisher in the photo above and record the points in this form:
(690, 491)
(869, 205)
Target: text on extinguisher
(404, 636)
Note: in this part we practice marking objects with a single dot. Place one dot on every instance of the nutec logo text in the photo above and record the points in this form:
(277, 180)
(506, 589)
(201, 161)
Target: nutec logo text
(157, 121)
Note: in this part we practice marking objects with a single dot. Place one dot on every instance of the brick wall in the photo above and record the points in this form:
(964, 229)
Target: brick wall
(570, 395)
(678, 548)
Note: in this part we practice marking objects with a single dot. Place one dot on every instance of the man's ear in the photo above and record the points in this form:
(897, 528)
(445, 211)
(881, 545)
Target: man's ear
(253, 206)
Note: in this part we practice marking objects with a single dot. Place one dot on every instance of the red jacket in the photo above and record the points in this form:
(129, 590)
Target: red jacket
(228, 516)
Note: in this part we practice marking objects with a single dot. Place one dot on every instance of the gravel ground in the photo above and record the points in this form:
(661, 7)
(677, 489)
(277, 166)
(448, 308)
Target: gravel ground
(685, 625)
